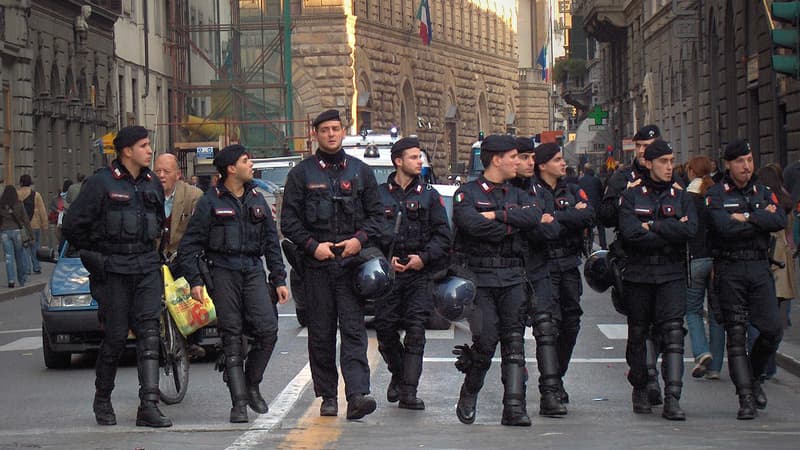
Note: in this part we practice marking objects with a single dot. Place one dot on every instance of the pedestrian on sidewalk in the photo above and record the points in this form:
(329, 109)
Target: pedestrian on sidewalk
(656, 221)
(708, 348)
(34, 207)
(16, 234)
(743, 216)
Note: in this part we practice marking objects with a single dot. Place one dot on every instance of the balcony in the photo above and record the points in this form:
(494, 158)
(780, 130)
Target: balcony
(603, 19)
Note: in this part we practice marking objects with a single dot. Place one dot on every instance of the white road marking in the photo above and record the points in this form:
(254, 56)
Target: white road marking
(448, 334)
(278, 409)
(27, 330)
(614, 331)
(26, 343)
(433, 359)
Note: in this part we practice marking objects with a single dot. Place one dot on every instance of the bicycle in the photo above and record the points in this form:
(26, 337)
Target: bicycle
(173, 381)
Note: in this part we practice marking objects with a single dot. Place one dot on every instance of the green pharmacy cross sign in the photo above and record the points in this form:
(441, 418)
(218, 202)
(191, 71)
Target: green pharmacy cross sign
(598, 115)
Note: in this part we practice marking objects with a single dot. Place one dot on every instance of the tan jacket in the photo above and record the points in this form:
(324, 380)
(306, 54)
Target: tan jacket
(785, 280)
(186, 197)
(39, 219)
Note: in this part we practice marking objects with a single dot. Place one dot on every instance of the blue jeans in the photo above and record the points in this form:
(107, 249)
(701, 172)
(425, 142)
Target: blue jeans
(714, 342)
(31, 260)
(15, 256)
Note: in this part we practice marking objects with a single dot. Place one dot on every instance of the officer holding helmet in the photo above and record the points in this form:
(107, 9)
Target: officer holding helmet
(421, 244)
(743, 214)
(331, 208)
(490, 217)
(115, 223)
(231, 229)
(656, 220)
(545, 329)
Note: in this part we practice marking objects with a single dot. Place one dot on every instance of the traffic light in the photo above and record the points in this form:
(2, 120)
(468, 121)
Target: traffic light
(787, 12)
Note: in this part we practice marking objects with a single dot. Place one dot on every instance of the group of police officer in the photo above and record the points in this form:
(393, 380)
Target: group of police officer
(510, 261)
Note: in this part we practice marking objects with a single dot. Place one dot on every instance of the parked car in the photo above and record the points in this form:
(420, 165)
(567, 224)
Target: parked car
(69, 313)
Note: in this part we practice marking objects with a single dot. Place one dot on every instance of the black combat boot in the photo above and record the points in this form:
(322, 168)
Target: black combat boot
(329, 407)
(393, 390)
(550, 386)
(148, 414)
(653, 388)
(741, 371)
(514, 409)
(256, 401)
(238, 389)
(759, 395)
(392, 351)
(412, 368)
(747, 407)
(103, 411)
(359, 406)
(641, 402)
(672, 369)
(467, 403)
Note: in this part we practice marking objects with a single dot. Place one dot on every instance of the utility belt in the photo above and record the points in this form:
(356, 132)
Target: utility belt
(108, 248)
(562, 252)
(494, 262)
(744, 254)
(655, 260)
(234, 253)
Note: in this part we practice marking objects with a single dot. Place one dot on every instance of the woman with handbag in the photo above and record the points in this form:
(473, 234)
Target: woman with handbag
(15, 232)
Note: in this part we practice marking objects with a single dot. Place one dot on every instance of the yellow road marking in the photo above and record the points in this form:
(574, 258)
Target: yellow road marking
(315, 432)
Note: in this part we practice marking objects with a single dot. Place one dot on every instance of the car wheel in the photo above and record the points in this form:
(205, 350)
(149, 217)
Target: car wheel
(298, 296)
(54, 359)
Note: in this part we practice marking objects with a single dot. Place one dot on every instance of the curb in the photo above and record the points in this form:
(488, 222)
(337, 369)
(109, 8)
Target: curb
(28, 289)
(788, 363)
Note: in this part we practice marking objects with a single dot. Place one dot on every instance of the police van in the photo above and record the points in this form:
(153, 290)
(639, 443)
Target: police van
(375, 150)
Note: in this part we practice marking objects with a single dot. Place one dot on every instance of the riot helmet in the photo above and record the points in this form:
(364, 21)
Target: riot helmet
(373, 278)
(597, 271)
(452, 297)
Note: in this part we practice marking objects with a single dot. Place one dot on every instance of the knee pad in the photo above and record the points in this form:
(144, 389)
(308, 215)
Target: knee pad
(672, 333)
(737, 339)
(513, 349)
(415, 340)
(147, 339)
(545, 330)
(232, 347)
(263, 342)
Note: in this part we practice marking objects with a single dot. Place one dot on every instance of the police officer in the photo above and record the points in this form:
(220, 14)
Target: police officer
(656, 220)
(743, 213)
(422, 242)
(490, 217)
(626, 177)
(115, 222)
(231, 229)
(574, 215)
(545, 329)
(331, 208)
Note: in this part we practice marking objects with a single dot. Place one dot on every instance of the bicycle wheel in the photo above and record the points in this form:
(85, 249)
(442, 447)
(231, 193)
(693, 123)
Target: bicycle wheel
(174, 364)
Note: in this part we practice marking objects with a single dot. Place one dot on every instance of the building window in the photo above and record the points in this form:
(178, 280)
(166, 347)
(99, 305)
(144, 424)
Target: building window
(135, 98)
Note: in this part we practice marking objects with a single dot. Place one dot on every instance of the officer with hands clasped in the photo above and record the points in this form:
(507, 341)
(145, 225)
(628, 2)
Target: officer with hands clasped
(421, 244)
(331, 209)
(743, 214)
(656, 220)
(626, 177)
(230, 230)
(490, 217)
(115, 223)
(574, 215)
(544, 326)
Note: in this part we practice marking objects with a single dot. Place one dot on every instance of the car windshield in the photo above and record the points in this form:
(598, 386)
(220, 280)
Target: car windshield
(475, 166)
(382, 173)
(275, 175)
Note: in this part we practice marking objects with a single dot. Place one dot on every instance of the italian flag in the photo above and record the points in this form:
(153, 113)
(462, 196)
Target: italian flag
(424, 17)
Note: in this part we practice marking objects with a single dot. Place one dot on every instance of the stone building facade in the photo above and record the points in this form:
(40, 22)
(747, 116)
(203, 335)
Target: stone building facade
(366, 58)
(700, 69)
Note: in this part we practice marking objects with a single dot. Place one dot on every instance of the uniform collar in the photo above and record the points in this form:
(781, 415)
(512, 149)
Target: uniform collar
(415, 184)
(119, 171)
(221, 189)
(728, 184)
(488, 186)
(326, 160)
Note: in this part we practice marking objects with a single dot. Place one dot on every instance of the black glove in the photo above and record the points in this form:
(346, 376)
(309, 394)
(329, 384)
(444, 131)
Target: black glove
(273, 293)
(464, 361)
(95, 263)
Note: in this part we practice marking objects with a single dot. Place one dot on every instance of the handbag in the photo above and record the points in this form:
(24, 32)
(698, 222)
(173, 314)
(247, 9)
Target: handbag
(189, 314)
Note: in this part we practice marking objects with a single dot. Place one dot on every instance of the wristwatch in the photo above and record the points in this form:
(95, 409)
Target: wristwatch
(746, 216)
(650, 223)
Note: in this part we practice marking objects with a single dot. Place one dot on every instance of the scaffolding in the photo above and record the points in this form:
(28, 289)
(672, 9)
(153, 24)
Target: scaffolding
(231, 76)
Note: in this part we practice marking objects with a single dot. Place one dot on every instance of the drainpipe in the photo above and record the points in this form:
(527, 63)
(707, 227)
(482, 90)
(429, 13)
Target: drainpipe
(146, 52)
(287, 71)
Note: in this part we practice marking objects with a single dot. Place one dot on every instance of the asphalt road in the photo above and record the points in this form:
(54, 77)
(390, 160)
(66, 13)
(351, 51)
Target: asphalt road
(52, 408)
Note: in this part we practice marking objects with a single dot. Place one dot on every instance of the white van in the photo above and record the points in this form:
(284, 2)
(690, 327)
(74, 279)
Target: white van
(375, 150)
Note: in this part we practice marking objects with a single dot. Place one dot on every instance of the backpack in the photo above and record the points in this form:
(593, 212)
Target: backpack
(30, 204)
(56, 207)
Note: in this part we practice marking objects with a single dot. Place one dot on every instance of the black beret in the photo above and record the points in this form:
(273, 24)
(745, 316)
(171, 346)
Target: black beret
(657, 149)
(129, 136)
(228, 157)
(498, 143)
(403, 144)
(647, 132)
(545, 152)
(325, 116)
(524, 145)
(737, 148)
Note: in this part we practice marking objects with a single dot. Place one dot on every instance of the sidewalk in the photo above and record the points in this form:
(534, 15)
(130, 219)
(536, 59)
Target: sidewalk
(788, 357)
(35, 284)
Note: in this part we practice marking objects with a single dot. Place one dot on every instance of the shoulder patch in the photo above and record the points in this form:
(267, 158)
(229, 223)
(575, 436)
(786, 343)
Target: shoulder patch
(774, 198)
(583, 195)
(459, 197)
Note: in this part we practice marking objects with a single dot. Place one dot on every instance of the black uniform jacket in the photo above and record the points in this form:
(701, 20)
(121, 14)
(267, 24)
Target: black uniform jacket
(656, 255)
(494, 249)
(424, 228)
(565, 250)
(120, 217)
(234, 233)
